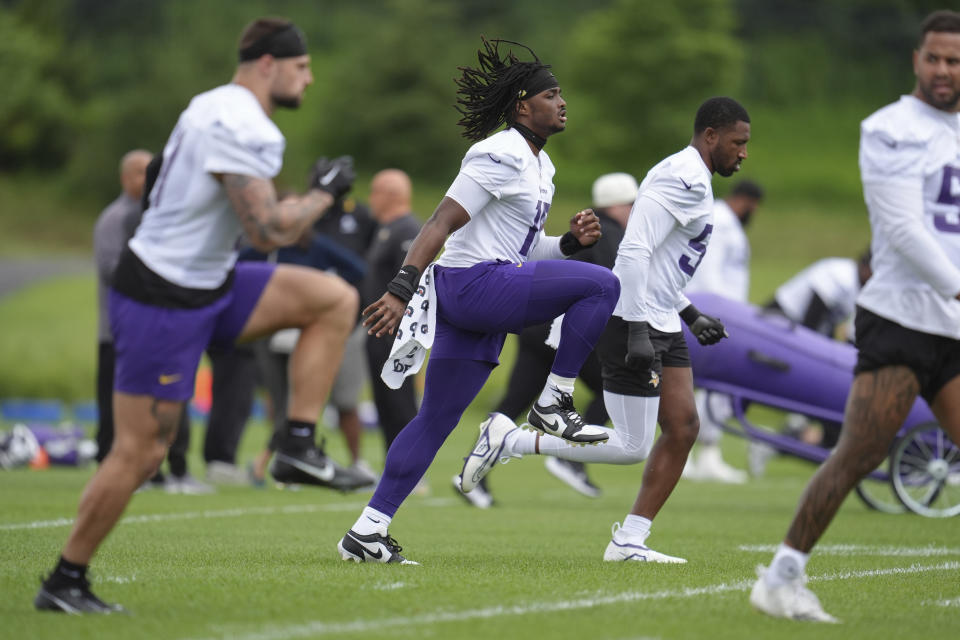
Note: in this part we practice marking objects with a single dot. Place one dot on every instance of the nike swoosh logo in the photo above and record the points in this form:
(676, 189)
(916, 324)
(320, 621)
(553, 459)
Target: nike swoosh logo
(166, 379)
(326, 473)
(687, 186)
(892, 143)
(329, 175)
(366, 550)
(494, 159)
(372, 520)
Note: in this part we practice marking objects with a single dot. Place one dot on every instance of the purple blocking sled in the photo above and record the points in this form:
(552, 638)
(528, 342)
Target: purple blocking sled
(771, 361)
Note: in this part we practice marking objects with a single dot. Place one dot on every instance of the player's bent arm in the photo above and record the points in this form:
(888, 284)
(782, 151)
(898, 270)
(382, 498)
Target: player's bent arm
(447, 218)
(645, 232)
(381, 317)
(267, 222)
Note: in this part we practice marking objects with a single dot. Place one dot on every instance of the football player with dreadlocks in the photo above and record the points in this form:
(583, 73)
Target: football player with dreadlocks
(498, 274)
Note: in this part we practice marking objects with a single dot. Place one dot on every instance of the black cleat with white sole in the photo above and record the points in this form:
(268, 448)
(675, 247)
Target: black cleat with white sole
(371, 548)
(312, 466)
(562, 420)
(72, 598)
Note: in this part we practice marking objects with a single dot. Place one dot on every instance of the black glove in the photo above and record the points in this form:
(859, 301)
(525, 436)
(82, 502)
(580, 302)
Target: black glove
(640, 352)
(707, 329)
(333, 176)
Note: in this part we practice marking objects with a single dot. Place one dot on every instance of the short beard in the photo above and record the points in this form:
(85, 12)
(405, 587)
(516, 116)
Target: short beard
(286, 102)
(950, 104)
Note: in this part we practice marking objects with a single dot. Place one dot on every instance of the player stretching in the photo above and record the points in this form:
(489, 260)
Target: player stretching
(499, 273)
(642, 351)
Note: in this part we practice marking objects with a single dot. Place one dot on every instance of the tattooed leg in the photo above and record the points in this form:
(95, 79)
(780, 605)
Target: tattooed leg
(143, 430)
(878, 404)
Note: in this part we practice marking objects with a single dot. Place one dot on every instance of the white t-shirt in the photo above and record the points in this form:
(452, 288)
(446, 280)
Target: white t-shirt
(725, 268)
(507, 191)
(834, 280)
(659, 252)
(189, 234)
(910, 166)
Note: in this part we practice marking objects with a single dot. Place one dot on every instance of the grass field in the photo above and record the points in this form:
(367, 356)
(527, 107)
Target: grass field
(261, 564)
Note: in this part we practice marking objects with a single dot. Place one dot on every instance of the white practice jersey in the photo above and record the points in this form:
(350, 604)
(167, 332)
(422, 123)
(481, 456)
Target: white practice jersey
(910, 166)
(725, 268)
(655, 263)
(834, 280)
(189, 234)
(506, 222)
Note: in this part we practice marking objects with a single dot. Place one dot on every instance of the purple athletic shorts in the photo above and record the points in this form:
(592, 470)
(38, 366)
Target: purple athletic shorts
(158, 349)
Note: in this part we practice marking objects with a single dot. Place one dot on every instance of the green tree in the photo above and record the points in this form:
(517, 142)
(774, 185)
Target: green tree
(36, 111)
(635, 75)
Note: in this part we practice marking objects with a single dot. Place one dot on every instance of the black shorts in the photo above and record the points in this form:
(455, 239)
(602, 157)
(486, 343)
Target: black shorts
(935, 360)
(670, 349)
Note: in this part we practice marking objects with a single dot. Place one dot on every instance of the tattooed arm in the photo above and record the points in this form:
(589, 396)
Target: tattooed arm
(267, 222)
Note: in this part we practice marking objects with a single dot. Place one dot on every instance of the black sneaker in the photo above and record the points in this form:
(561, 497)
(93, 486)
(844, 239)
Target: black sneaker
(312, 466)
(574, 474)
(72, 598)
(371, 548)
(562, 420)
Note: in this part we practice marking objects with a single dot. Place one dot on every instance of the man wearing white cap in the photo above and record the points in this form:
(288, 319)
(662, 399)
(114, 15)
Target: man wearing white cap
(613, 196)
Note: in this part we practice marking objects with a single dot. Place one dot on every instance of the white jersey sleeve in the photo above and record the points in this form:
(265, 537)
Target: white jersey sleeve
(509, 225)
(834, 280)
(679, 188)
(910, 167)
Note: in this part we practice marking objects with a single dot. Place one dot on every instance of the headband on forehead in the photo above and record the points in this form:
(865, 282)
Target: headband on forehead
(540, 81)
(288, 42)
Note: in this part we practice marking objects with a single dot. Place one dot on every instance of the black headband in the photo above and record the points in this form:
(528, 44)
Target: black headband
(288, 42)
(540, 81)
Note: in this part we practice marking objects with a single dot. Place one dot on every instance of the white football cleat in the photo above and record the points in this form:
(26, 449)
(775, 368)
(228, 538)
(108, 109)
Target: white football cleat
(479, 497)
(624, 547)
(487, 451)
(791, 600)
(562, 420)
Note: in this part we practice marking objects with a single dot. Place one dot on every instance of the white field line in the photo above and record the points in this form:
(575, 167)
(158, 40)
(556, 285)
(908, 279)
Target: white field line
(954, 602)
(863, 550)
(320, 628)
(219, 513)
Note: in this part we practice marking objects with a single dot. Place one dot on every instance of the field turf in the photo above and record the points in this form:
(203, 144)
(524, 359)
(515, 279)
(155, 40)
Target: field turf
(261, 564)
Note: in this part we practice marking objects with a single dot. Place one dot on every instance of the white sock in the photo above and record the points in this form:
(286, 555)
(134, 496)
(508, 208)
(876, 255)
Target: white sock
(637, 526)
(371, 521)
(551, 391)
(788, 565)
(520, 442)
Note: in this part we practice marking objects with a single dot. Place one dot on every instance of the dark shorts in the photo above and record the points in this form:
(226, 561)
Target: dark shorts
(158, 349)
(935, 360)
(670, 349)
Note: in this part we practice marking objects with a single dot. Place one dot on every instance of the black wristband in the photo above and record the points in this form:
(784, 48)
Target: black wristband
(404, 284)
(689, 314)
(569, 244)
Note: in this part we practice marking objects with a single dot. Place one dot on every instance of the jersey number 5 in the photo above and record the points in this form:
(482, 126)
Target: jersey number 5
(699, 247)
(949, 195)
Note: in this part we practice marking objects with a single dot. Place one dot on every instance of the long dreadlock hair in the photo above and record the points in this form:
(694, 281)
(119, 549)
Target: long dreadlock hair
(487, 94)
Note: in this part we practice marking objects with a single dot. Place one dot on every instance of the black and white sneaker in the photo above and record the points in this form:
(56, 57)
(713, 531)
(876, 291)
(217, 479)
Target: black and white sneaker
(574, 474)
(562, 420)
(371, 548)
(73, 598)
(312, 466)
(489, 449)
(480, 497)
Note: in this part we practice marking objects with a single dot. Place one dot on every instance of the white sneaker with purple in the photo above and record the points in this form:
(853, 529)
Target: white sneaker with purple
(624, 547)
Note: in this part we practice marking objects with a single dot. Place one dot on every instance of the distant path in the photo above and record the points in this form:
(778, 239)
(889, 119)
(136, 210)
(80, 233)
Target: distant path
(16, 273)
